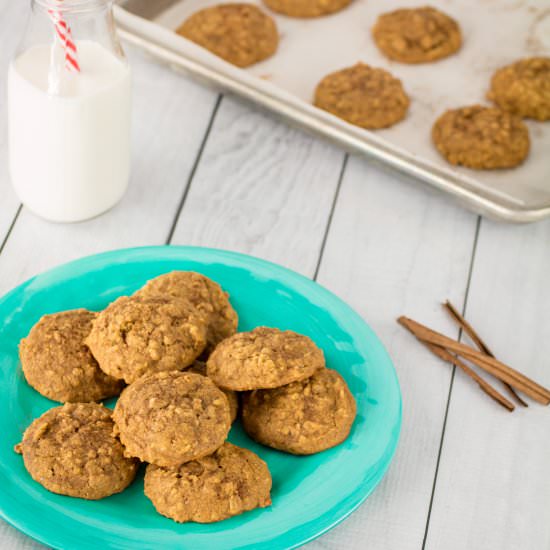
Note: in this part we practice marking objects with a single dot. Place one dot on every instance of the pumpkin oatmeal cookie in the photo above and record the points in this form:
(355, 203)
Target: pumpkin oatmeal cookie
(241, 34)
(523, 88)
(307, 8)
(71, 450)
(226, 483)
(481, 137)
(169, 418)
(362, 95)
(199, 367)
(263, 358)
(417, 35)
(58, 364)
(304, 417)
(139, 335)
(203, 293)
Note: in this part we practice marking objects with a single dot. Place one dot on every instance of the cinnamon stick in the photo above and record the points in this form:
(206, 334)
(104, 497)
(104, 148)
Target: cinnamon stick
(489, 364)
(442, 353)
(476, 339)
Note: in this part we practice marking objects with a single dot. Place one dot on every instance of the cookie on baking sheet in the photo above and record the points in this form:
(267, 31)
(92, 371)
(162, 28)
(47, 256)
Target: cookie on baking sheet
(199, 367)
(523, 88)
(304, 417)
(137, 335)
(263, 358)
(71, 450)
(226, 483)
(203, 293)
(363, 95)
(169, 418)
(58, 364)
(417, 35)
(307, 8)
(242, 34)
(481, 137)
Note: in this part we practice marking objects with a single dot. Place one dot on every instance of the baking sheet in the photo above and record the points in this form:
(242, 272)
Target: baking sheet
(495, 32)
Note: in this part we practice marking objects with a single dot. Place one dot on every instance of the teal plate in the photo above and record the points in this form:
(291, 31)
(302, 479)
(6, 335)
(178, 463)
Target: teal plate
(310, 494)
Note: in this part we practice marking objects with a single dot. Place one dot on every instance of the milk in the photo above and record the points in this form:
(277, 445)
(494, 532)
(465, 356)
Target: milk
(69, 144)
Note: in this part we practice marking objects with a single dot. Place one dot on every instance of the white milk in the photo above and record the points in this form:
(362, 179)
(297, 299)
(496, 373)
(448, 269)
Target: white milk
(69, 151)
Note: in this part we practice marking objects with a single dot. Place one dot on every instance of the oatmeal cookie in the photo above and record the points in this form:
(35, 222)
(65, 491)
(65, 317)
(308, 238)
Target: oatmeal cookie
(58, 364)
(241, 34)
(205, 294)
(226, 483)
(169, 418)
(417, 35)
(263, 358)
(481, 137)
(523, 88)
(362, 95)
(304, 417)
(138, 335)
(199, 367)
(71, 450)
(307, 8)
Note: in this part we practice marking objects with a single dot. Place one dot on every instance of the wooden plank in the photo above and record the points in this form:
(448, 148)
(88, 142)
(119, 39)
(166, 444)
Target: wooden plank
(171, 115)
(262, 188)
(13, 20)
(394, 249)
(493, 488)
(11, 539)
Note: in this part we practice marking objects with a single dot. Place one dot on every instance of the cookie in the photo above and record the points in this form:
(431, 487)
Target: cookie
(169, 418)
(263, 358)
(57, 363)
(198, 367)
(364, 96)
(302, 418)
(481, 137)
(417, 35)
(226, 483)
(241, 34)
(205, 294)
(139, 335)
(306, 8)
(523, 88)
(71, 450)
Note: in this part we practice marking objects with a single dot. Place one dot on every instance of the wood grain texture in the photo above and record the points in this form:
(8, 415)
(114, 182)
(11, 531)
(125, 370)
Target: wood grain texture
(13, 14)
(261, 188)
(395, 249)
(493, 488)
(167, 135)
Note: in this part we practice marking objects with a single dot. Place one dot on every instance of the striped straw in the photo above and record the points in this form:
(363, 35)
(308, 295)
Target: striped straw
(65, 36)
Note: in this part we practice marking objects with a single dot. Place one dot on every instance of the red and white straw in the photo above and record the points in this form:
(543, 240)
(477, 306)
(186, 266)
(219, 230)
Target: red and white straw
(65, 36)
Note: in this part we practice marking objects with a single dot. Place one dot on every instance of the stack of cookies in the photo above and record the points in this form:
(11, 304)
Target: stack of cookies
(292, 402)
(172, 353)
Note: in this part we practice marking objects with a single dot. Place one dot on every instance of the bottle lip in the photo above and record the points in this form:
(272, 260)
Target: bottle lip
(73, 6)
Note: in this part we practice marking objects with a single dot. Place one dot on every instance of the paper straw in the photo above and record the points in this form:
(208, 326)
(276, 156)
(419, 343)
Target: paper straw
(65, 36)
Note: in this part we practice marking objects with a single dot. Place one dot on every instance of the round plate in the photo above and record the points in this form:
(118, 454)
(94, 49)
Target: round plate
(310, 494)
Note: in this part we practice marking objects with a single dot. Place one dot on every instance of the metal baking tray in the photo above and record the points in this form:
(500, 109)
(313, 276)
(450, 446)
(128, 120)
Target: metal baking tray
(495, 33)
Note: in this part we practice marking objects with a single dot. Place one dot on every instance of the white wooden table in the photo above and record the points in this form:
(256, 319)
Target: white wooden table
(213, 171)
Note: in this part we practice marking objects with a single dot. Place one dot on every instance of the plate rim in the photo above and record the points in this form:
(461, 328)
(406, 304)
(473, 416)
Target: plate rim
(174, 251)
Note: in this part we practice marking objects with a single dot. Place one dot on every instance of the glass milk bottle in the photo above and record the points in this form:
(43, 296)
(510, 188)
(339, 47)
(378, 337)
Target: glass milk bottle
(69, 104)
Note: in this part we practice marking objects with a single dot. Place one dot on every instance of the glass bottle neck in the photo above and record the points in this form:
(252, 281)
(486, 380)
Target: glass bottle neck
(72, 7)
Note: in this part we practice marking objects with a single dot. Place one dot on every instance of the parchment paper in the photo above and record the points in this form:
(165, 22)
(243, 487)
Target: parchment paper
(495, 32)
